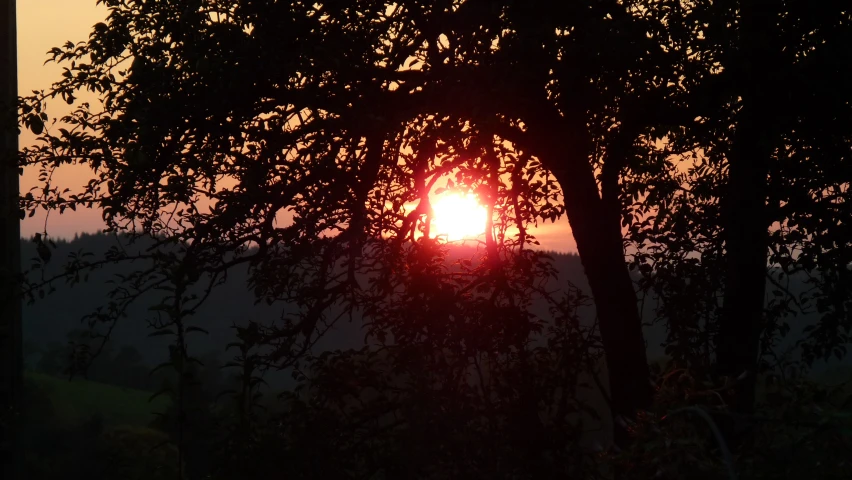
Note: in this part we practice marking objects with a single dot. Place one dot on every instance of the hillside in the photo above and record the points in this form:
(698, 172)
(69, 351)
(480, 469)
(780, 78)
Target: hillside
(49, 320)
(74, 402)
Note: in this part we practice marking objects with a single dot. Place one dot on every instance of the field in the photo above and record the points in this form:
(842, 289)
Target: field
(76, 401)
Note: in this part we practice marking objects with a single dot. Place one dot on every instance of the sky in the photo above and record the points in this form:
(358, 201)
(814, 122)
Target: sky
(44, 24)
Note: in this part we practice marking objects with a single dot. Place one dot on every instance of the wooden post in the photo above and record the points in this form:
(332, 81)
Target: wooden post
(11, 367)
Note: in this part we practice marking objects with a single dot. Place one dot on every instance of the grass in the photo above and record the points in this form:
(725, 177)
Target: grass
(75, 401)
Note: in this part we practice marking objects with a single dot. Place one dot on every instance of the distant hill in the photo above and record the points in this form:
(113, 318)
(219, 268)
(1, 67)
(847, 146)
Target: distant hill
(50, 320)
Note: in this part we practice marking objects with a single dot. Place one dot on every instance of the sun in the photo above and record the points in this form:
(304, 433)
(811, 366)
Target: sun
(457, 217)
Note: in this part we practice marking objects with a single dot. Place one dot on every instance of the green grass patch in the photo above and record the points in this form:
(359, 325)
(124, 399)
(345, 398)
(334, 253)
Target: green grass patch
(76, 401)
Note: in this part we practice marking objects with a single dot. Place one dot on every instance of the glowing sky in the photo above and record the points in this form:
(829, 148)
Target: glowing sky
(43, 24)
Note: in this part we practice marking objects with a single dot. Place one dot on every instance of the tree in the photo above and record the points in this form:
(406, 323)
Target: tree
(345, 115)
(765, 190)
(327, 157)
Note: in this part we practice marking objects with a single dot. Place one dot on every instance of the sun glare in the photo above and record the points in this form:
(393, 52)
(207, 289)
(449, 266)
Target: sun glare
(458, 217)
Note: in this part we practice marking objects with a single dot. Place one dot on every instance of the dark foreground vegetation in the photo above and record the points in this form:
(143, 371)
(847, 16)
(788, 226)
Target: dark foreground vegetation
(699, 150)
(120, 422)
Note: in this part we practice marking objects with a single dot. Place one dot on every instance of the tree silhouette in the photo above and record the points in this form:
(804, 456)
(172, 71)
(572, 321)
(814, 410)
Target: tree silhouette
(316, 134)
(11, 364)
(761, 199)
(344, 114)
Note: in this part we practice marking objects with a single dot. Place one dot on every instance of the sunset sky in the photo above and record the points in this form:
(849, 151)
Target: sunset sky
(43, 24)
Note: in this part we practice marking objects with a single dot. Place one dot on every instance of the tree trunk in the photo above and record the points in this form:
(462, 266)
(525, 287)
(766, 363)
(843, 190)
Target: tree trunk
(746, 223)
(599, 243)
(597, 231)
(746, 242)
(10, 238)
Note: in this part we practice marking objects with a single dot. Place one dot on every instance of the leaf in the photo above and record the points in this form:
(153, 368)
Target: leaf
(197, 329)
(36, 125)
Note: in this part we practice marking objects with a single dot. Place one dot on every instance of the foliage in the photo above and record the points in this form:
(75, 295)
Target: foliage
(302, 142)
(805, 429)
(123, 368)
(330, 156)
(688, 202)
(802, 430)
(507, 404)
(464, 367)
(137, 453)
(75, 430)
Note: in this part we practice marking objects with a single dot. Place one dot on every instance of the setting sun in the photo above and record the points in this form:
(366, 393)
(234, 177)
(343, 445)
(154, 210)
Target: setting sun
(458, 217)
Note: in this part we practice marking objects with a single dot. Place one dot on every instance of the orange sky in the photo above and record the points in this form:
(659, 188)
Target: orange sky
(43, 24)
